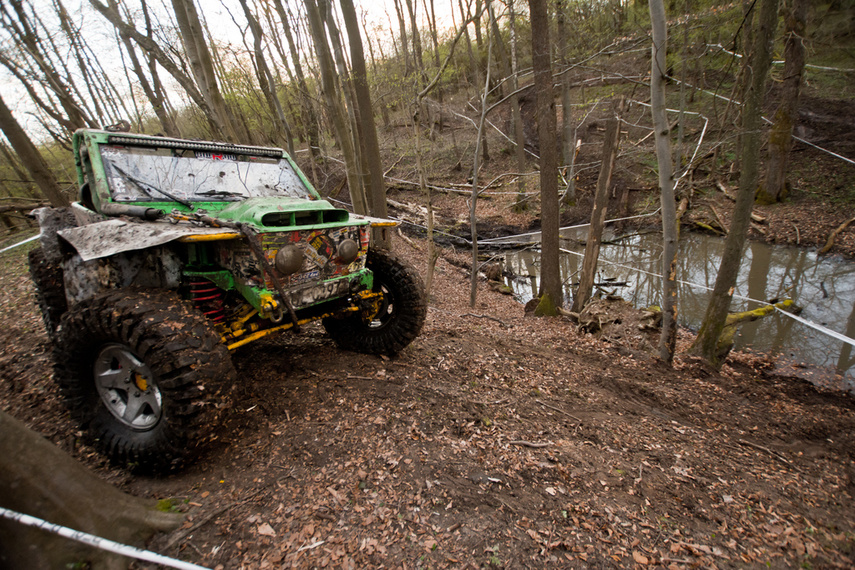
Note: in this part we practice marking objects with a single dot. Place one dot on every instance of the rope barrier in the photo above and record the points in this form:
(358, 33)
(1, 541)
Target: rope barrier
(98, 542)
(28, 240)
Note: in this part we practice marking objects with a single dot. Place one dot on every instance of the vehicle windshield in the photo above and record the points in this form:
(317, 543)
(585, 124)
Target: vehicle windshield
(139, 174)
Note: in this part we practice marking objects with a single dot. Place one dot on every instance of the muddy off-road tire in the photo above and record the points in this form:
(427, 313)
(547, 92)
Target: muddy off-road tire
(50, 289)
(144, 375)
(401, 316)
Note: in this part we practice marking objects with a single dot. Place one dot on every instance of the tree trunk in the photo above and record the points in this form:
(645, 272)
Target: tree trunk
(31, 158)
(202, 66)
(266, 82)
(668, 338)
(473, 219)
(155, 52)
(310, 121)
(371, 148)
(335, 107)
(417, 40)
(714, 319)
(781, 137)
(40, 480)
(550, 283)
(598, 214)
(516, 113)
(408, 68)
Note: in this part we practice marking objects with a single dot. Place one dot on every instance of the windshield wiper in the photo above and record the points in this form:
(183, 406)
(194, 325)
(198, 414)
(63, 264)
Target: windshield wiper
(220, 194)
(143, 185)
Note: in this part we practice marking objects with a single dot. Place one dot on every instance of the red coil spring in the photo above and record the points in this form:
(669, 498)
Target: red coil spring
(208, 298)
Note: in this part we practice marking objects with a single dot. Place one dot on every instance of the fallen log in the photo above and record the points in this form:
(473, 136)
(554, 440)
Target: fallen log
(733, 320)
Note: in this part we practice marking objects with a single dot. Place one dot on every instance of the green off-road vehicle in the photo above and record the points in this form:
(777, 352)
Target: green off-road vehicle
(178, 252)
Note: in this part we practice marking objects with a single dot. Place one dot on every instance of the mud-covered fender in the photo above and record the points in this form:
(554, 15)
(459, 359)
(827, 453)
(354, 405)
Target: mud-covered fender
(154, 268)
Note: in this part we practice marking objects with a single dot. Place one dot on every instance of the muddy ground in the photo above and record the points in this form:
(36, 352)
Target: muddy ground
(494, 440)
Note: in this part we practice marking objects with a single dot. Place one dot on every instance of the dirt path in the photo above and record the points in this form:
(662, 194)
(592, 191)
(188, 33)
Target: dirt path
(494, 440)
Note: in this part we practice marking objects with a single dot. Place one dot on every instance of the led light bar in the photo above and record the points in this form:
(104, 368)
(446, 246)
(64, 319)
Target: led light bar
(163, 142)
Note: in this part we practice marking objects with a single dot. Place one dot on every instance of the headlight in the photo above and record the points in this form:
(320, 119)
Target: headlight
(289, 260)
(347, 251)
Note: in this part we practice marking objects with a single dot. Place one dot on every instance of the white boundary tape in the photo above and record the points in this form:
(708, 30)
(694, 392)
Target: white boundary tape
(98, 542)
(28, 240)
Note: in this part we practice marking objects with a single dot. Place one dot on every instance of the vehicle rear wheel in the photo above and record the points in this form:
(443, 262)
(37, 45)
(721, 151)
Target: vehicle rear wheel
(141, 371)
(401, 313)
(50, 289)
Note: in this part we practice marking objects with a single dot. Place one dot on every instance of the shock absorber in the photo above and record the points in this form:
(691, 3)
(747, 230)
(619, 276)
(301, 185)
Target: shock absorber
(208, 298)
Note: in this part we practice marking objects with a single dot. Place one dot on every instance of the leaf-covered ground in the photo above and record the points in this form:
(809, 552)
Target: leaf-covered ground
(494, 440)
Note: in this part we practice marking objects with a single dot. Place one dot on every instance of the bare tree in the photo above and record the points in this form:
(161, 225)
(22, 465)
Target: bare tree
(175, 69)
(668, 338)
(516, 115)
(551, 292)
(266, 81)
(374, 176)
(31, 157)
(706, 343)
(417, 38)
(335, 108)
(408, 68)
(310, 121)
(202, 66)
(598, 214)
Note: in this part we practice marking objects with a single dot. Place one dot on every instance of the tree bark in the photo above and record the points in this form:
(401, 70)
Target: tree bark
(31, 158)
(668, 337)
(716, 313)
(781, 136)
(550, 282)
(40, 480)
(598, 214)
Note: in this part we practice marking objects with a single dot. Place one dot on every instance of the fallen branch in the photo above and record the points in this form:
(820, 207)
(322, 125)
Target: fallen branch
(718, 219)
(410, 242)
(774, 454)
(725, 191)
(385, 174)
(559, 411)
(486, 317)
(529, 444)
(829, 243)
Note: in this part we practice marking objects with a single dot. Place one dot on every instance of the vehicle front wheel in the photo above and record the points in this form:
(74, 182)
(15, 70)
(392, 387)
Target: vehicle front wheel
(401, 313)
(141, 372)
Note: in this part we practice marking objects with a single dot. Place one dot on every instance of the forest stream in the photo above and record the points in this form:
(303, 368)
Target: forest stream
(822, 286)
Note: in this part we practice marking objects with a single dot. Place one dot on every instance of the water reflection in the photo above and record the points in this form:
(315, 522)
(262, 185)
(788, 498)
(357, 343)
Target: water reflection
(824, 287)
